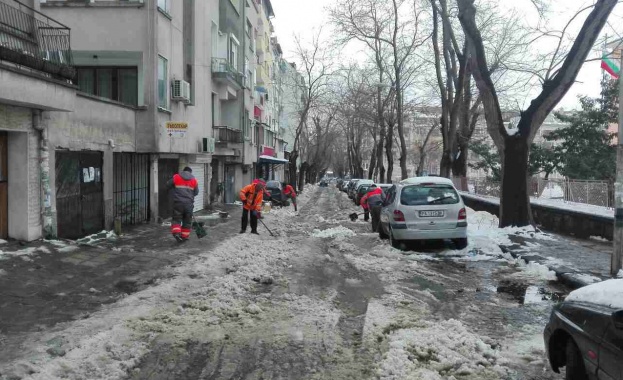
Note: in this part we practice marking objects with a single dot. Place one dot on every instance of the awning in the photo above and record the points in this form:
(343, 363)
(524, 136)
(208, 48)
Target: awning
(261, 89)
(272, 160)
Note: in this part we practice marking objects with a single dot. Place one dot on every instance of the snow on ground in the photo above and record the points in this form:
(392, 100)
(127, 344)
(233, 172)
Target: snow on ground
(335, 232)
(620, 274)
(552, 192)
(534, 270)
(439, 350)
(607, 293)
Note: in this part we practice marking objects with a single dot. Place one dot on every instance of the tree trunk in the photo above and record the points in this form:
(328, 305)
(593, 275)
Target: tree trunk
(389, 152)
(446, 163)
(372, 162)
(292, 172)
(515, 201)
(459, 166)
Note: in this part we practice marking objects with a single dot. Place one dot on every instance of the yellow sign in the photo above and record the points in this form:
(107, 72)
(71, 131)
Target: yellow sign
(177, 129)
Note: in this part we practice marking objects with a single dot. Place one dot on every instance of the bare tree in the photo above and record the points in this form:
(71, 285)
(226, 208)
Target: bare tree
(315, 64)
(560, 76)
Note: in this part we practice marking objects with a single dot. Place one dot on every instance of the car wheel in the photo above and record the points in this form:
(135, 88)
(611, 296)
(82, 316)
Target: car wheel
(460, 243)
(575, 363)
(392, 241)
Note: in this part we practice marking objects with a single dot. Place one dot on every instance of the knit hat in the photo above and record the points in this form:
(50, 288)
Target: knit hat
(187, 169)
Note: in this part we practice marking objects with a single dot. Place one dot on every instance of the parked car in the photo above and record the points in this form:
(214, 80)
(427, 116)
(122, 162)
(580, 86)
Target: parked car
(323, 183)
(350, 187)
(276, 193)
(424, 208)
(585, 333)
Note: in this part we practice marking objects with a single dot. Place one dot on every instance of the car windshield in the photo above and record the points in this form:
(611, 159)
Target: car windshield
(363, 189)
(273, 184)
(428, 194)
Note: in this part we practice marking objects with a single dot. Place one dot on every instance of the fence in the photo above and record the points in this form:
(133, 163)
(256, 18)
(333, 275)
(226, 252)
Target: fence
(598, 193)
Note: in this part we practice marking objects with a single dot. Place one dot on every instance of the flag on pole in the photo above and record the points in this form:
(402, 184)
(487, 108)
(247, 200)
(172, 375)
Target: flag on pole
(611, 67)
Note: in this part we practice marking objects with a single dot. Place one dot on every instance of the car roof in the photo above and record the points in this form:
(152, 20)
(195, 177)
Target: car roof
(365, 182)
(422, 180)
(387, 185)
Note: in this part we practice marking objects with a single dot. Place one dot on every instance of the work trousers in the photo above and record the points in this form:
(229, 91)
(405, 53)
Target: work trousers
(245, 220)
(376, 217)
(182, 219)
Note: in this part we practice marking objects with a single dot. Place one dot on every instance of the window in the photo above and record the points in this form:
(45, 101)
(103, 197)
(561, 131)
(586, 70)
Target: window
(114, 83)
(428, 194)
(247, 79)
(234, 45)
(164, 5)
(163, 80)
(249, 27)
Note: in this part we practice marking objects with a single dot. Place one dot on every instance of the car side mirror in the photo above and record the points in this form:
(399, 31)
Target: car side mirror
(617, 319)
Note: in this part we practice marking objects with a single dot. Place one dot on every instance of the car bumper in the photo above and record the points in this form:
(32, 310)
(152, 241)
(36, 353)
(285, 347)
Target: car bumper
(413, 234)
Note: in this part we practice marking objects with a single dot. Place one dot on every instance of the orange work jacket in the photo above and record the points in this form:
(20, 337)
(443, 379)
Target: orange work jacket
(251, 198)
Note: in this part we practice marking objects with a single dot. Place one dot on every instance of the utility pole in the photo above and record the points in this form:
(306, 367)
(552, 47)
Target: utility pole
(617, 254)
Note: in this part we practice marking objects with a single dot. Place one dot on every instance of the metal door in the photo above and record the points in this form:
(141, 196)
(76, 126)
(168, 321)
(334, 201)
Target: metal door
(4, 187)
(79, 193)
(131, 187)
(166, 169)
(199, 174)
(229, 183)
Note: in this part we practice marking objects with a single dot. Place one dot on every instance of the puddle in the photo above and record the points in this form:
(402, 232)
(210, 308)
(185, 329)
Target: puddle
(530, 294)
(425, 284)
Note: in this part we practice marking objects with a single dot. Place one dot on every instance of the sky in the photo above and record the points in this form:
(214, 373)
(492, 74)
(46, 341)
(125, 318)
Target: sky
(302, 17)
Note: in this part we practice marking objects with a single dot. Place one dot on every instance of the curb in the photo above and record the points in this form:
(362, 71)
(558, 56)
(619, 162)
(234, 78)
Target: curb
(566, 275)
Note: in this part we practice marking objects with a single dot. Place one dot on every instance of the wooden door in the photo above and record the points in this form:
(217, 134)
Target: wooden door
(4, 187)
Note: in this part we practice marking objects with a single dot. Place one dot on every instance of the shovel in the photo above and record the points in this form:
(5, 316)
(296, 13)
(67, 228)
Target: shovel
(354, 216)
(199, 230)
(269, 231)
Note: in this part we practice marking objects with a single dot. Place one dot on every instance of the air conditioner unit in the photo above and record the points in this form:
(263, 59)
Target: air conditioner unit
(207, 145)
(181, 91)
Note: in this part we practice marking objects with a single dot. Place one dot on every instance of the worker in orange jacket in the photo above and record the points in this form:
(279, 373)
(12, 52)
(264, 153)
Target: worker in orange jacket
(185, 188)
(289, 192)
(252, 196)
(373, 201)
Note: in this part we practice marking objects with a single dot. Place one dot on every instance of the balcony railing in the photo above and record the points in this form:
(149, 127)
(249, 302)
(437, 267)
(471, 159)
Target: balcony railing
(225, 134)
(30, 38)
(222, 69)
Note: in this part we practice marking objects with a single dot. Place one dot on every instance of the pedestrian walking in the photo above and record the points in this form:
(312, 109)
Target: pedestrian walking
(185, 188)
(373, 201)
(289, 192)
(251, 197)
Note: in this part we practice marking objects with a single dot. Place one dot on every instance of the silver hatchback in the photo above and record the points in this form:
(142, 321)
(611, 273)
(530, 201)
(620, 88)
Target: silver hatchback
(424, 208)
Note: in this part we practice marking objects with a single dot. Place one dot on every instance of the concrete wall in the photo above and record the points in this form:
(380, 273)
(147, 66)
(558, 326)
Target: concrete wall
(24, 190)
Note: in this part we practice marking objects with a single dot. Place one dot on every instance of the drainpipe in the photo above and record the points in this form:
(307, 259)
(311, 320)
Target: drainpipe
(47, 212)
(242, 116)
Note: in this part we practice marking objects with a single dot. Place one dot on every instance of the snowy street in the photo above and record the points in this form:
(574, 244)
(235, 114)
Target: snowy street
(324, 299)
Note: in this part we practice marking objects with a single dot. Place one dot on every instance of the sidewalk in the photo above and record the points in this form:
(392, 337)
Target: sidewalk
(46, 282)
(576, 262)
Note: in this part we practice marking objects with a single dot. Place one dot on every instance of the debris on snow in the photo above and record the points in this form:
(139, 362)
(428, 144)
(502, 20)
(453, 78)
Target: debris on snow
(441, 350)
(608, 293)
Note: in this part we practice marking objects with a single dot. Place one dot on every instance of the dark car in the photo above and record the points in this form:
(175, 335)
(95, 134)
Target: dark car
(585, 333)
(324, 183)
(276, 193)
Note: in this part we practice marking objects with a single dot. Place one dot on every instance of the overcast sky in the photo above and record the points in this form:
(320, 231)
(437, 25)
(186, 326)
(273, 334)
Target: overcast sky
(302, 17)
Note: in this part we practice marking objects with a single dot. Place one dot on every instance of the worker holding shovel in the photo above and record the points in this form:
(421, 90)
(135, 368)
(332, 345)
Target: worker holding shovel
(251, 197)
(373, 201)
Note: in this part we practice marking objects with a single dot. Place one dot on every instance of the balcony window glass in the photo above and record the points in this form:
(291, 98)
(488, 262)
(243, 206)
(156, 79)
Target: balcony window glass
(164, 5)
(115, 83)
(163, 75)
(233, 52)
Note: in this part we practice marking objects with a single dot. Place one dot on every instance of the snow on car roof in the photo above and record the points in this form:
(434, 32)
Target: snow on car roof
(607, 293)
(421, 180)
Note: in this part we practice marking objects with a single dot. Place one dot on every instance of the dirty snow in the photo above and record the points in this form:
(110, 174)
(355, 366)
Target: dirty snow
(440, 350)
(535, 270)
(607, 293)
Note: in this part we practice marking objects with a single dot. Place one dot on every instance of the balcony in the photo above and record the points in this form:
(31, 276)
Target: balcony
(31, 39)
(227, 135)
(224, 72)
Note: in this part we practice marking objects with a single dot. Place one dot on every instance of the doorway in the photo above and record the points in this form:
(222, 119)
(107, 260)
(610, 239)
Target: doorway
(4, 187)
(166, 169)
(79, 193)
(230, 176)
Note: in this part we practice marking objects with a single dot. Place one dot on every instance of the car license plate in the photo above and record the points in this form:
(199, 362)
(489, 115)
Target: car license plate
(431, 214)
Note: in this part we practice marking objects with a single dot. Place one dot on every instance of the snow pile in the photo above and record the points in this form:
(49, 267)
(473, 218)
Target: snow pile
(442, 350)
(620, 274)
(586, 278)
(24, 253)
(335, 232)
(536, 271)
(607, 293)
(552, 192)
(3, 242)
(97, 238)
